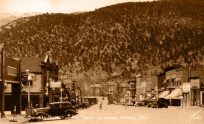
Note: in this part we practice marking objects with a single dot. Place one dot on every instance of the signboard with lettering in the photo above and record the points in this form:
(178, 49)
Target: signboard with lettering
(186, 87)
(55, 84)
(171, 74)
(195, 83)
(11, 70)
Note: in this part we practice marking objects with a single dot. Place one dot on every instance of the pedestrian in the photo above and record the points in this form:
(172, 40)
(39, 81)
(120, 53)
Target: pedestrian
(100, 106)
(126, 103)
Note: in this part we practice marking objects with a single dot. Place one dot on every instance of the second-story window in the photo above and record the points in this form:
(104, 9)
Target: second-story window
(25, 83)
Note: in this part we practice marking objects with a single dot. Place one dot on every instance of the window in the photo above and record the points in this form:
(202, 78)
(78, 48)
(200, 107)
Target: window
(111, 88)
(25, 83)
(132, 86)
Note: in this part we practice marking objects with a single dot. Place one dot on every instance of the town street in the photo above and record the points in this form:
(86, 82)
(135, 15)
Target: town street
(129, 115)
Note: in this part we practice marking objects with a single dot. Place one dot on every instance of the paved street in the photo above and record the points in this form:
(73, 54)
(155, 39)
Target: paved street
(123, 115)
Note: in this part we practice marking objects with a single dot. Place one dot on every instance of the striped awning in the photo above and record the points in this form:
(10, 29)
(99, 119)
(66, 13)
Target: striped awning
(164, 94)
(175, 94)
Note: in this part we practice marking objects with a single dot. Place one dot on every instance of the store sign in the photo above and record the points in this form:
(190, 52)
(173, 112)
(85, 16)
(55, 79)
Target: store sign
(144, 84)
(195, 83)
(12, 71)
(186, 87)
(55, 84)
(170, 74)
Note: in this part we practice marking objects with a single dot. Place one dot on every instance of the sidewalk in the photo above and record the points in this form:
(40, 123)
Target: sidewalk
(186, 107)
(18, 118)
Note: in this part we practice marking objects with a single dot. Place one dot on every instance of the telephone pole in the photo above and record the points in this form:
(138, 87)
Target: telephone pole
(2, 89)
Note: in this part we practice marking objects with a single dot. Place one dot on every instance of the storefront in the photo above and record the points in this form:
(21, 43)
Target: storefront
(195, 91)
(34, 98)
(175, 97)
(132, 90)
(162, 102)
(186, 93)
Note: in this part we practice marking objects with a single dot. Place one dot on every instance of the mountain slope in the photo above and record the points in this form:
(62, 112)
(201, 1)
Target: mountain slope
(125, 37)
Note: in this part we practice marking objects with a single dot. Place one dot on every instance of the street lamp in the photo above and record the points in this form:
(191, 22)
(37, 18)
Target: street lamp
(5, 85)
(29, 79)
(47, 86)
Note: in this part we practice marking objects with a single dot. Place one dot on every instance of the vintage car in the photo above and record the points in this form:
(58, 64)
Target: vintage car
(152, 102)
(60, 109)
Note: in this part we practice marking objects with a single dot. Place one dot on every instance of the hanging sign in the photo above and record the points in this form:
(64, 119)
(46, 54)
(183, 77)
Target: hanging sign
(55, 84)
(195, 83)
(186, 87)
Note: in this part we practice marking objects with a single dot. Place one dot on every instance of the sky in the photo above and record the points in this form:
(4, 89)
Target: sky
(55, 6)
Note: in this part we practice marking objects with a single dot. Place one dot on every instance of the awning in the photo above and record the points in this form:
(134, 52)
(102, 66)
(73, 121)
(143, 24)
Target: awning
(164, 94)
(175, 94)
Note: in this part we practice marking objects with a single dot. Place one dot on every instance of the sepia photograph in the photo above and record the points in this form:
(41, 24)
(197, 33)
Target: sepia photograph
(101, 61)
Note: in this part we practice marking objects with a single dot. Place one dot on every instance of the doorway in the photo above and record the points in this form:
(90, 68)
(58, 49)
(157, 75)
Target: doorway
(195, 97)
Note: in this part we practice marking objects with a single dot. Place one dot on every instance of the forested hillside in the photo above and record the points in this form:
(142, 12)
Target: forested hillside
(125, 37)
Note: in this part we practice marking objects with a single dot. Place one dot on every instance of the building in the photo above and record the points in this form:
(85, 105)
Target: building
(186, 85)
(10, 86)
(131, 93)
(74, 90)
(96, 89)
(116, 91)
(117, 88)
(44, 72)
(147, 84)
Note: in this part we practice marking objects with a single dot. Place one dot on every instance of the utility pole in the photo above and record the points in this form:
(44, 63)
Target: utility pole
(2, 81)
(29, 80)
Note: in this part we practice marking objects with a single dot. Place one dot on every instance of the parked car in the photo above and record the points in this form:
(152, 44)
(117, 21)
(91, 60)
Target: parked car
(61, 109)
(152, 102)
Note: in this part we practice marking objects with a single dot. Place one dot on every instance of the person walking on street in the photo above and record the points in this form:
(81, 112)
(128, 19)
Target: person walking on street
(100, 106)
